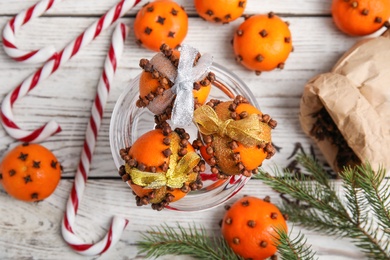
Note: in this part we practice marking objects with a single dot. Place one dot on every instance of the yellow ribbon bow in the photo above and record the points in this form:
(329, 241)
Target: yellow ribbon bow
(249, 131)
(179, 171)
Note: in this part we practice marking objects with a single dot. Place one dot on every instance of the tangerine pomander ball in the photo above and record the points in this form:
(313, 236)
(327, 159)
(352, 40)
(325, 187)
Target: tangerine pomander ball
(160, 21)
(228, 156)
(30, 172)
(153, 83)
(220, 11)
(262, 43)
(249, 227)
(360, 17)
(151, 157)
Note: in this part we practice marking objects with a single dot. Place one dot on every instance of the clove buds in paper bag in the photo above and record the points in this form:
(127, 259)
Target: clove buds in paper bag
(347, 111)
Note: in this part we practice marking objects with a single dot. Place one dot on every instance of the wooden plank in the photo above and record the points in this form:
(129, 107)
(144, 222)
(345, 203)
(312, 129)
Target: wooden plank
(91, 7)
(68, 95)
(33, 230)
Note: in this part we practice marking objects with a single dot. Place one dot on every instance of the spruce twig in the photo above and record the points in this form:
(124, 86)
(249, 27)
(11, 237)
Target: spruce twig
(377, 193)
(193, 241)
(293, 249)
(314, 220)
(364, 193)
(362, 232)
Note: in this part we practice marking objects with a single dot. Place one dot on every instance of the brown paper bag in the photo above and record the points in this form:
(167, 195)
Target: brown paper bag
(356, 95)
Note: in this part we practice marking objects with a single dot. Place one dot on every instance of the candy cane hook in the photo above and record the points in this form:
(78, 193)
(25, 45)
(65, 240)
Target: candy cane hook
(52, 65)
(118, 224)
(10, 29)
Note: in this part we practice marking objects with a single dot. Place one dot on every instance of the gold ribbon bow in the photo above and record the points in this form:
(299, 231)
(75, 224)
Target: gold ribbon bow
(178, 172)
(249, 131)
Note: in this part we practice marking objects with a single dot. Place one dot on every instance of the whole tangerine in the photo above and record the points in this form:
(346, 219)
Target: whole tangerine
(30, 172)
(153, 154)
(360, 17)
(220, 11)
(160, 21)
(262, 43)
(249, 227)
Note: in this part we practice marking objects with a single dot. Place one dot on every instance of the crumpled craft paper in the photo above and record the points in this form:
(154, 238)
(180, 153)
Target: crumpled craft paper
(356, 94)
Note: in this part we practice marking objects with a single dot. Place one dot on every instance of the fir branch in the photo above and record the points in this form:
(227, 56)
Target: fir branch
(314, 220)
(293, 249)
(368, 240)
(377, 192)
(363, 192)
(374, 243)
(193, 241)
(319, 196)
(313, 167)
(354, 195)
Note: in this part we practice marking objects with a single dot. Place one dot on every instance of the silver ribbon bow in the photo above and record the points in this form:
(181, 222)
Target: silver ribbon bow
(183, 78)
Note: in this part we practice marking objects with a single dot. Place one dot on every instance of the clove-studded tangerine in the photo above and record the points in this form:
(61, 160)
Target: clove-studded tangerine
(30, 172)
(236, 136)
(249, 227)
(161, 167)
(160, 21)
(360, 17)
(220, 11)
(153, 83)
(262, 43)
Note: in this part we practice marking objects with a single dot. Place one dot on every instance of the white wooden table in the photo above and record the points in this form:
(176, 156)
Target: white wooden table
(32, 231)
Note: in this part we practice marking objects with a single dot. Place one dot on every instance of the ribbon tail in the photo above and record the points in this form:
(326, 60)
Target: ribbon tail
(156, 184)
(183, 107)
(147, 180)
(183, 171)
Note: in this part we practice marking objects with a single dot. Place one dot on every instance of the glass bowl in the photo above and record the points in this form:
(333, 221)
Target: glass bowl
(128, 123)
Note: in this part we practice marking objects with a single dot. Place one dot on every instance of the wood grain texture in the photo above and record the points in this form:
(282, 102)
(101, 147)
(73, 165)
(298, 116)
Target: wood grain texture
(32, 231)
(93, 7)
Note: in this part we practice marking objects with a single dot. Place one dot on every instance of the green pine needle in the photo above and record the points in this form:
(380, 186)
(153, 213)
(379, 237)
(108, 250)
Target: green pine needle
(193, 241)
(366, 194)
(293, 249)
(377, 192)
(314, 220)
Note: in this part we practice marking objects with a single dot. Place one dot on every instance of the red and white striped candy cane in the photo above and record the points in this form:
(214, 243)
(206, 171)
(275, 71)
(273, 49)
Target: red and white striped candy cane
(52, 65)
(118, 224)
(10, 29)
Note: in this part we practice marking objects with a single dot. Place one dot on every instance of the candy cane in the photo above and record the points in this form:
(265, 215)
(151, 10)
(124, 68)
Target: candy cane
(52, 65)
(118, 224)
(10, 29)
